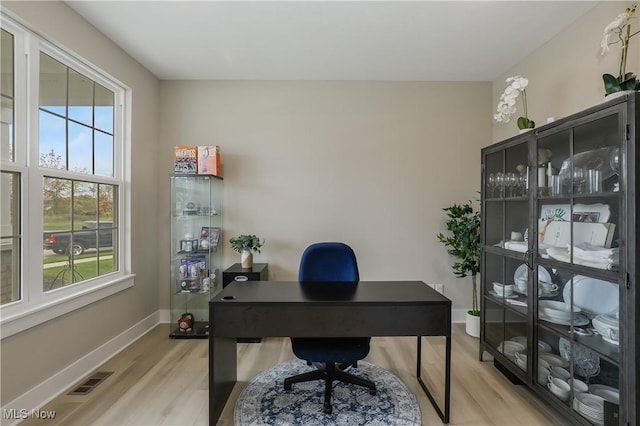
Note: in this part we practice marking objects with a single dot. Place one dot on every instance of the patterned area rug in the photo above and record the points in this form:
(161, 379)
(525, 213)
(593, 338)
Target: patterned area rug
(265, 402)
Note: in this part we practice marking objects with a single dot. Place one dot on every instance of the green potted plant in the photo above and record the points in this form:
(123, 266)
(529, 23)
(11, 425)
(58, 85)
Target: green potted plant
(245, 244)
(619, 31)
(463, 243)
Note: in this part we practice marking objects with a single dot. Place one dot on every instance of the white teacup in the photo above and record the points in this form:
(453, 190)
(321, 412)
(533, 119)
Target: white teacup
(559, 388)
(521, 360)
(547, 287)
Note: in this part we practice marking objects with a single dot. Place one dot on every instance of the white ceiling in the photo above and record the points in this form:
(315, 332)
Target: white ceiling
(330, 40)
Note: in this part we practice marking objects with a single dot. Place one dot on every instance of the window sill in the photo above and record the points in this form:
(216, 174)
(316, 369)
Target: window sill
(48, 310)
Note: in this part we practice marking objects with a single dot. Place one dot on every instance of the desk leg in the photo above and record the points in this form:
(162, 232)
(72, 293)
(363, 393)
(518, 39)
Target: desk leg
(223, 365)
(447, 381)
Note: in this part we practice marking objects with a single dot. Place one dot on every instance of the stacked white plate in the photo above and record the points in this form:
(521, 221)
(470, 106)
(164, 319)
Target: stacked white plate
(608, 327)
(609, 393)
(560, 313)
(590, 406)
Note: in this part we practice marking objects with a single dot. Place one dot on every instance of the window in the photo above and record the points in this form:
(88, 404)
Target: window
(62, 243)
(10, 287)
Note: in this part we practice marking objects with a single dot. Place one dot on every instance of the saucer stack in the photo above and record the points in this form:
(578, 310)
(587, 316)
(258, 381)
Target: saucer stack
(590, 406)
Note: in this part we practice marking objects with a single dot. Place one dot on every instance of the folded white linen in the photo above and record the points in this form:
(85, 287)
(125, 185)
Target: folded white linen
(562, 254)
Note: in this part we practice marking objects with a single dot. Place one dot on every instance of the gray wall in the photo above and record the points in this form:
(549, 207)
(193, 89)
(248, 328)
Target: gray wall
(368, 163)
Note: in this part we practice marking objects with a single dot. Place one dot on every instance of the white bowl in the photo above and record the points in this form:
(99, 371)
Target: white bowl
(509, 349)
(557, 310)
(578, 385)
(560, 373)
(503, 289)
(553, 360)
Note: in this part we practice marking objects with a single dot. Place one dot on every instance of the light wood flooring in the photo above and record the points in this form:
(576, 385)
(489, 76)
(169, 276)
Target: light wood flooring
(160, 381)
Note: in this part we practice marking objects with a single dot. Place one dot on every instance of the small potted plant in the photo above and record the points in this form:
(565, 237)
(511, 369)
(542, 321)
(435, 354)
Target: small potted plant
(245, 244)
(619, 31)
(463, 243)
(507, 104)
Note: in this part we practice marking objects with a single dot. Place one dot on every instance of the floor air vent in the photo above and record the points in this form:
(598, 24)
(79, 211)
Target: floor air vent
(90, 384)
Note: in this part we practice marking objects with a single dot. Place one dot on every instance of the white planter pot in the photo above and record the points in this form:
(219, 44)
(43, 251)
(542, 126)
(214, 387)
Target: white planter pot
(617, 94)
(246, 259)
(472, 325)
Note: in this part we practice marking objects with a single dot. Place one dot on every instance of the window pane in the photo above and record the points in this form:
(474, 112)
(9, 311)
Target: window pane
(80, 98)
(81, 231)
(80, 148)
(6, 61)
(6, 94)
(103, 146)
(53, 85)
(103, 109)
(6, 129)
(85, 205)
(10, 240)
(106, 196)
(56, 197)
(53, 141)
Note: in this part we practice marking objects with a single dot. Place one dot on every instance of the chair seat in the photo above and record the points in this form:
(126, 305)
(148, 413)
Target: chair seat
(331, 349)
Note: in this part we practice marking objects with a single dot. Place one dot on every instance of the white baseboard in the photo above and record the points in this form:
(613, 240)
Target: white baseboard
(55, 385)
(165, 316)
(459, 315)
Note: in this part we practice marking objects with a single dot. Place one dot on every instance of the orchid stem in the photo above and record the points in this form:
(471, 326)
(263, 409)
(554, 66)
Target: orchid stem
(524, 104)
(625, 48)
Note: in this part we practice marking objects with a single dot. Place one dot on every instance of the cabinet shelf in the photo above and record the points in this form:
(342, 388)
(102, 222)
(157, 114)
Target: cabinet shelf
(586, 219)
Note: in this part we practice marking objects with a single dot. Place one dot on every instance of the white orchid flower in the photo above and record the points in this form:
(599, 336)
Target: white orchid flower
(615, 28)
(507, 103)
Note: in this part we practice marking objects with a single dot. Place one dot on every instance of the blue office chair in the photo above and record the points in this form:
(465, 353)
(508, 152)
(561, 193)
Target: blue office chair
(329, 263)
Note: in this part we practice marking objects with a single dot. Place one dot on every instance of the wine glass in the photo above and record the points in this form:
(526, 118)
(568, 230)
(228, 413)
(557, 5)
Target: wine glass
(500, 181)
(511, 181)
(492, 183)
(615, 160)
(579, 180)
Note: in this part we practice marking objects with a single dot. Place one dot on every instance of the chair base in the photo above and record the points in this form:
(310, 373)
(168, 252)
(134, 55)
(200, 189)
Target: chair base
(330, 374)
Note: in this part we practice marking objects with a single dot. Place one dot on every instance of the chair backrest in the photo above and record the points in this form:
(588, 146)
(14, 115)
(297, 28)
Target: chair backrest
(328, 262)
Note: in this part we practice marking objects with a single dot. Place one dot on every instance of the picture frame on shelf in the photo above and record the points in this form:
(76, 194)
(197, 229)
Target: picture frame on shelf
(210, 234)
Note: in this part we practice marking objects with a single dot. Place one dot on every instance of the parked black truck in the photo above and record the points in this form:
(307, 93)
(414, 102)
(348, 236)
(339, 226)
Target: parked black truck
(89, 237)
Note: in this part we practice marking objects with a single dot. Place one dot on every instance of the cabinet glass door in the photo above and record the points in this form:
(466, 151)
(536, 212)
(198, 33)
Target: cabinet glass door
(577, 282)
(506, 244)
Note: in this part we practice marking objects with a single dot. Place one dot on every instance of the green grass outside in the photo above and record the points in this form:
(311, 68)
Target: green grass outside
(63, 257)
(64, 223)
(85, 270)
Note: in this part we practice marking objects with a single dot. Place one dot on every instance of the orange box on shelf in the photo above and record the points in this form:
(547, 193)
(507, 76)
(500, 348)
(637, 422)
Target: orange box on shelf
(209, 160)
(185, 159)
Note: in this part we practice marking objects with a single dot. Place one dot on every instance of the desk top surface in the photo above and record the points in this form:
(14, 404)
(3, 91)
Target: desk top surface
(396, 292)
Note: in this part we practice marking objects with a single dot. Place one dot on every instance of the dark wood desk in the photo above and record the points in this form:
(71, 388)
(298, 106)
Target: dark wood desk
(291, 309)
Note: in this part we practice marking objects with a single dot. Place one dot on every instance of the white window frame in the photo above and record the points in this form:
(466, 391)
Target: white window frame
(35, 305)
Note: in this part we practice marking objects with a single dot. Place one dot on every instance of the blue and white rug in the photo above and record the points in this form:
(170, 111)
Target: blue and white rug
(264, 401)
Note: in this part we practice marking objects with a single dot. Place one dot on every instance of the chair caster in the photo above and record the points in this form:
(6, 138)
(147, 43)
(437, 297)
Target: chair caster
(372, 392)
(327, 409)
(287, 386)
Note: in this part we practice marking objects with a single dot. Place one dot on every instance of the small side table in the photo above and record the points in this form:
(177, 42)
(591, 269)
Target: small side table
(259, 272)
